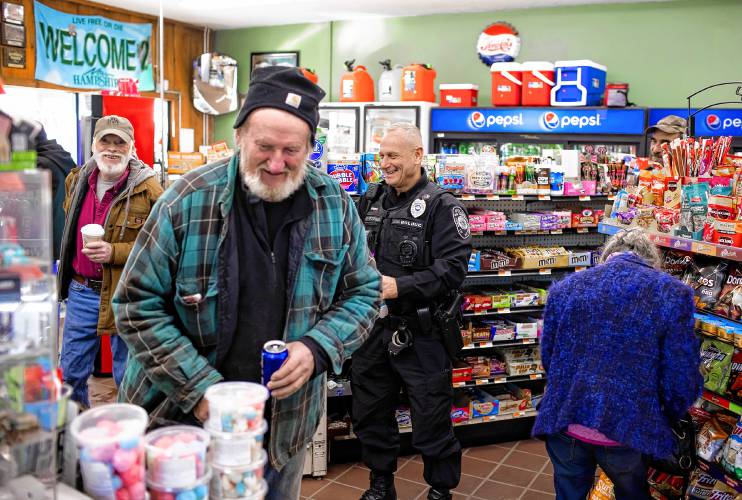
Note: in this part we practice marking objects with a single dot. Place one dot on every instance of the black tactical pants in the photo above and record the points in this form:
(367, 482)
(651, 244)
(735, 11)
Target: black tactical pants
(424, 370)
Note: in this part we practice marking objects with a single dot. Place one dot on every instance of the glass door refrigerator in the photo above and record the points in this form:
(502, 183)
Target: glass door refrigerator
(341, 124)
(712, 122)
(379, 116)
(536, 131)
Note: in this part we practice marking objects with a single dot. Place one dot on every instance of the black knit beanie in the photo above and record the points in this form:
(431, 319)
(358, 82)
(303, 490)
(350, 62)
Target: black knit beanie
(284, 88)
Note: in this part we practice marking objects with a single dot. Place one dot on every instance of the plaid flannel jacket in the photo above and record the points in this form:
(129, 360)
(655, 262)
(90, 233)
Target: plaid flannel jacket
(172, 342)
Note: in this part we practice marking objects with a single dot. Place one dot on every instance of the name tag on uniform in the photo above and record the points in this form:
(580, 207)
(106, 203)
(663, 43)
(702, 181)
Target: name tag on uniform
(413, 224)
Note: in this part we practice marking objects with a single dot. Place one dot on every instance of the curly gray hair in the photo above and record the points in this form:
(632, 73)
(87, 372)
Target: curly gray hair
(632, 240)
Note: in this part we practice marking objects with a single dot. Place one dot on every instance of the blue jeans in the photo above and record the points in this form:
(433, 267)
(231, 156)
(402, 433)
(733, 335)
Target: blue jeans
(286, 483)
(574, 464)
(80, 342)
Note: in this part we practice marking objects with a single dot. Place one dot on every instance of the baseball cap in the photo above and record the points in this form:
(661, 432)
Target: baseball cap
(671, 124)
(284, 88)
(116, 125)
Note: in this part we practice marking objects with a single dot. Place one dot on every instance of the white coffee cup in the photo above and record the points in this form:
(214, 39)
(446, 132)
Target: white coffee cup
(91, 232)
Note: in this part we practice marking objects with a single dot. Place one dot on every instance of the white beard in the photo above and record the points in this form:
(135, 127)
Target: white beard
(272, 194)
(112, 170)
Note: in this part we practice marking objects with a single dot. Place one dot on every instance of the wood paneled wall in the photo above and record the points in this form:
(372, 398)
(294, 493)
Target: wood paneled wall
(182, 42)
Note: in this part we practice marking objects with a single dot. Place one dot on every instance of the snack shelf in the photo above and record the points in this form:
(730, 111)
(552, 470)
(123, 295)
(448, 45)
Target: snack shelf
(718, 473)
(714, 315)
(722, 401)
(504, 343)
(523, 232)
(523, 272)
(503, 310)
(533, 197)
(502, 379)
(713, 337)
(474, 421)
(684, 244)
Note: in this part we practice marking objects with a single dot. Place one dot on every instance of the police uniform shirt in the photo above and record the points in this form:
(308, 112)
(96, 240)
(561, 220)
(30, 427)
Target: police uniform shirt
(450, 244)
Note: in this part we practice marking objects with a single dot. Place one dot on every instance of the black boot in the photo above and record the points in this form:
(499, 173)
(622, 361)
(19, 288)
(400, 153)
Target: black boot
(382, 487)
(435, 494)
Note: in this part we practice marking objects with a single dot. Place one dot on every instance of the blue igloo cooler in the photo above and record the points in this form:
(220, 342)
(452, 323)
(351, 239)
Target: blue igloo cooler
(578, 83)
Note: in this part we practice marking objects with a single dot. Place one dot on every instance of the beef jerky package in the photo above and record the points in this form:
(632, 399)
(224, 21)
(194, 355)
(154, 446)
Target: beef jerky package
(675, 262)
(706, 277)
(735, 376)
(716, 364)
(729, 303)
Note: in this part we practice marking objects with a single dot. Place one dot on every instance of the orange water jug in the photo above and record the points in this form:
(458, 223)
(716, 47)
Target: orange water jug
(356, 85)
(418, 83)
(310, 75)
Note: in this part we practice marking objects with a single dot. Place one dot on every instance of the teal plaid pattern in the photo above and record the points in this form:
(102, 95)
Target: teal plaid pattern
(172, 341)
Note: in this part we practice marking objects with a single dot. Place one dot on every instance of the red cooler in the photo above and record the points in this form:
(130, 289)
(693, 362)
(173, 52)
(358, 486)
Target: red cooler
(506, 83)
(458, 95)
(538, 79)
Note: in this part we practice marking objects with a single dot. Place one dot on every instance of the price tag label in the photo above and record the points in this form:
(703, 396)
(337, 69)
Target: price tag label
(502, 380)
(504, 273)
(517, 197)
(488, 418)
(544, 197)
(544, 271)
(556, 231)
(529, 341)
(482, 381)
(583, 230)
(704, 249)
(503, 310)
(459, 384)
(477, 233)
(494, 197)
(578, 269)
(518, 414)
(501, 233)
(480, 313)
(584, 198)
(536, 376)
(468, 197)
(611, 197)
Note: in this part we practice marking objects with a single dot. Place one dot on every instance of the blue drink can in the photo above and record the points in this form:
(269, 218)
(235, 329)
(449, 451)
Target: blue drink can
(274, 354)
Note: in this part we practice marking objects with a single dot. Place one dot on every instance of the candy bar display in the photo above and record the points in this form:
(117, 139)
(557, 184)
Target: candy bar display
(694, 194)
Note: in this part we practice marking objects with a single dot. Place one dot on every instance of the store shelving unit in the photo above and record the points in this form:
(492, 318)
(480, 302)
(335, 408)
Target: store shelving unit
(28, 334)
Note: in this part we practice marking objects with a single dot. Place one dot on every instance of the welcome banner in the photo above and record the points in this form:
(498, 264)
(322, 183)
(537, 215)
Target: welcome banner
(91, 52)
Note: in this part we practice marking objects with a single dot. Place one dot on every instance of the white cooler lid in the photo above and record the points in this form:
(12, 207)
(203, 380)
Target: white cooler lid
(580, 62)
(537, 66)
(506, 66)
(458, 86)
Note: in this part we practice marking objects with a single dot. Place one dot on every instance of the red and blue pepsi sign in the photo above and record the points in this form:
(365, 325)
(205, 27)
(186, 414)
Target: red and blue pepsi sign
(709, 123)
(539, 120)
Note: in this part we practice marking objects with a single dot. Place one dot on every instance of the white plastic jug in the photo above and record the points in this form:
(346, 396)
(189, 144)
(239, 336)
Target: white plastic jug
(390, 82)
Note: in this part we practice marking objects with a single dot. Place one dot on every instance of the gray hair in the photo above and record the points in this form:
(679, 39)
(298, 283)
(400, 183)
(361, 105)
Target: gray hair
(633, 240)
(410, 130)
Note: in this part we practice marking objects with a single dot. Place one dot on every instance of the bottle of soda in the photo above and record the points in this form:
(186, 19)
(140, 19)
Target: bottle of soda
(453, 149)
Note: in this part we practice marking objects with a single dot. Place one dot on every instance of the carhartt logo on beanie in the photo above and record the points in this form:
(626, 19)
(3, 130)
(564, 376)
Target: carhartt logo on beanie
(282, 88)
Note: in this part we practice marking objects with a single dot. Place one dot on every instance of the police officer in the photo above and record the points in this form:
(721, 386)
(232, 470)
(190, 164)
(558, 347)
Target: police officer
(420, 238)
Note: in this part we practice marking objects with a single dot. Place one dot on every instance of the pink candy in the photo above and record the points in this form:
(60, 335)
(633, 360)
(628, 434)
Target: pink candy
(137, 491)
(123, 460)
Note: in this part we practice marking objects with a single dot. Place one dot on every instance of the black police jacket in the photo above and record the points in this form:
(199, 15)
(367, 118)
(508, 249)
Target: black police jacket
(421, 238)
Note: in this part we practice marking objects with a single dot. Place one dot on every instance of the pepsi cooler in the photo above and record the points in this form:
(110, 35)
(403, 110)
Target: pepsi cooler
(619, 129)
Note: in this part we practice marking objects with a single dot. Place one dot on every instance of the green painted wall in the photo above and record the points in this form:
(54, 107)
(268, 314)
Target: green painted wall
(311, 40)
(665, 50)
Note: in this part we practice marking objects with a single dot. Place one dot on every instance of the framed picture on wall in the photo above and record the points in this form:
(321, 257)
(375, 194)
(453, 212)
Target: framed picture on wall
(12, 13)
(261, 59)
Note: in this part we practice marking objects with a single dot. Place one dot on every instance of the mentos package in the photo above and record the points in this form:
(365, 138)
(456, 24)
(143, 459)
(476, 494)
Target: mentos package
(346, 170)
(451, 172)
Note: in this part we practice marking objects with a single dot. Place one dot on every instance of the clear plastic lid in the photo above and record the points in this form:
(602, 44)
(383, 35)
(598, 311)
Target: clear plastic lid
(109, 424)
(258, 464)
(235, 395)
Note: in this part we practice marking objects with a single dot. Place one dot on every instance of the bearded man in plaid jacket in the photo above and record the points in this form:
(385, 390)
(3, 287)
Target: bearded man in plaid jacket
(254, 248)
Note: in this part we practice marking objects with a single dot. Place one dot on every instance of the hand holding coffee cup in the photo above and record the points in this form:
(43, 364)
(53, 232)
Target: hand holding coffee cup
(94, 248)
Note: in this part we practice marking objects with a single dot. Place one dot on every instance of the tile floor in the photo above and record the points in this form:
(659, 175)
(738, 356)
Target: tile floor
(508, 471)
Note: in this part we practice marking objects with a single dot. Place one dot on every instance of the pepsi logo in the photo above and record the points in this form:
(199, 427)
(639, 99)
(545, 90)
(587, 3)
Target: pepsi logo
(476, 120)
(549, 120)
(713, 122)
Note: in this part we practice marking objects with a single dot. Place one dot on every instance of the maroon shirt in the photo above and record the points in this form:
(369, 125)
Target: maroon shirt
(94, 212)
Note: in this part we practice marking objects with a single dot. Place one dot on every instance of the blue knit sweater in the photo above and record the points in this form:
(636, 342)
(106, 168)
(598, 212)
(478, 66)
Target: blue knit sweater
(620, 354)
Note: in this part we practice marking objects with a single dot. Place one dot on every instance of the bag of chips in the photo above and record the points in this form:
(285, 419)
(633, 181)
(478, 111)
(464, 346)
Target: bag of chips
(706, 277)
(676, 263)
(729, 303)
(735, 375)
(712, 436)
(602, 489)
(716, 364)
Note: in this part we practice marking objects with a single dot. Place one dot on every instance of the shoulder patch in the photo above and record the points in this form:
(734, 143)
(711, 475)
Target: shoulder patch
(461, 221)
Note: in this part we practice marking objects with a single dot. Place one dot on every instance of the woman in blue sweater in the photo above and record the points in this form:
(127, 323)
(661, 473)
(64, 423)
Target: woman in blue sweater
(622, 363)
